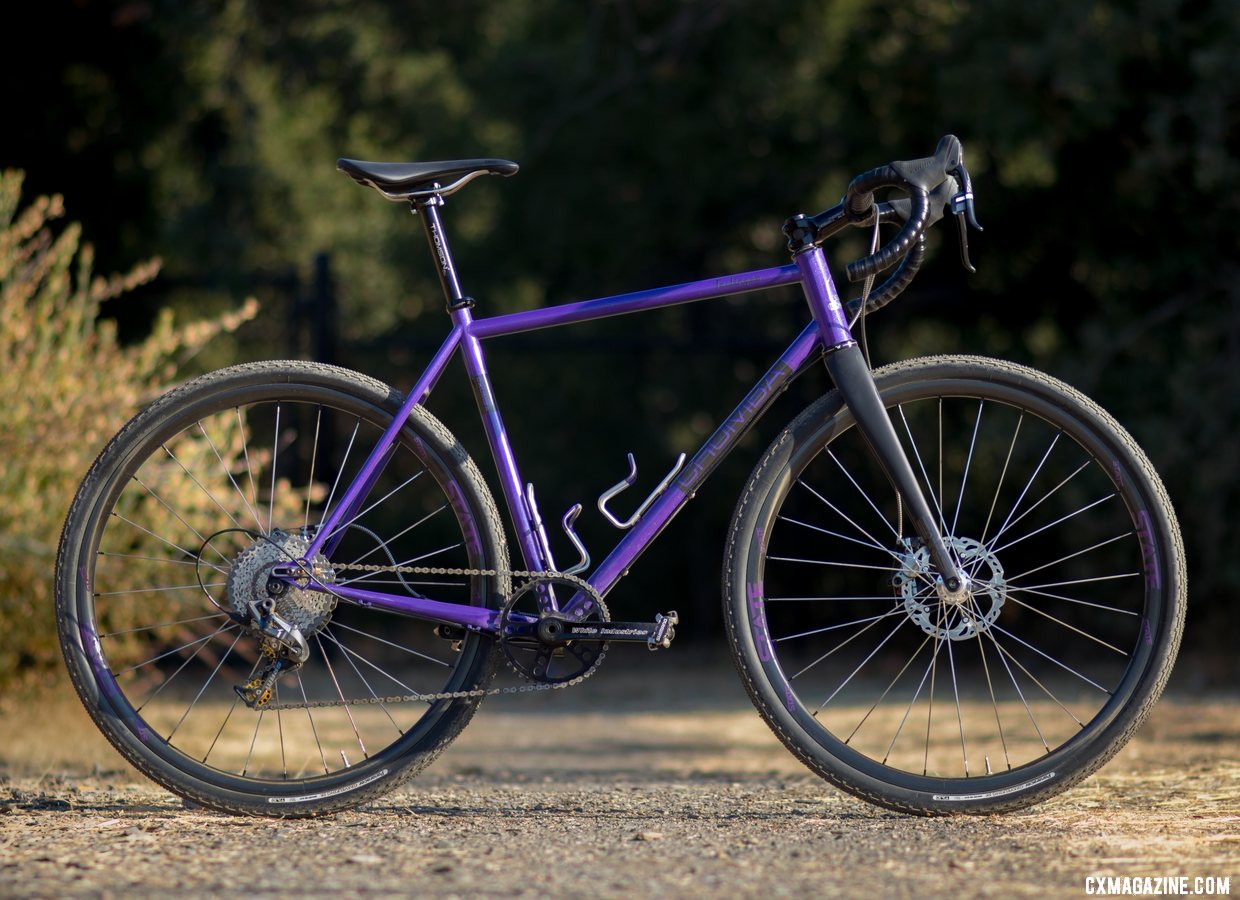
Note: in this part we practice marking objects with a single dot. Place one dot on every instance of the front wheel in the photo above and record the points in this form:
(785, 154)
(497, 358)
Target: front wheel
(920, 701)
(173, 537)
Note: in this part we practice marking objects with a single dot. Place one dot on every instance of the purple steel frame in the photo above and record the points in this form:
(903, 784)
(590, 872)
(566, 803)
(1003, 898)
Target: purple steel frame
(828, 331)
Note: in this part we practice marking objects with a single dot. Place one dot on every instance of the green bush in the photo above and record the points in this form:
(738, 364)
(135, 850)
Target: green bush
(67, 384)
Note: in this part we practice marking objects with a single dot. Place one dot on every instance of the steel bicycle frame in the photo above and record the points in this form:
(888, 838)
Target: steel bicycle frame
(826, 333)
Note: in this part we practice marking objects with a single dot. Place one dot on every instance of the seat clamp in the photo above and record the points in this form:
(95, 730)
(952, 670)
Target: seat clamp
(463, 303)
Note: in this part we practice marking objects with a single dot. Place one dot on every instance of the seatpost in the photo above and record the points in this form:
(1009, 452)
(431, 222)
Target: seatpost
(428, 209)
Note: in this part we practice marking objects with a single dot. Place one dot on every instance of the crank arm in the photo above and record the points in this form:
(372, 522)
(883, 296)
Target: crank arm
(656, 635)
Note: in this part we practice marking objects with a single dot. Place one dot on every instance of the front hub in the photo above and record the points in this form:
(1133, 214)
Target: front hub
(952, 615)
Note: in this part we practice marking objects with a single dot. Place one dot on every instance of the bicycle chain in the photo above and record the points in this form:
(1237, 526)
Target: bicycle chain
(528, 688)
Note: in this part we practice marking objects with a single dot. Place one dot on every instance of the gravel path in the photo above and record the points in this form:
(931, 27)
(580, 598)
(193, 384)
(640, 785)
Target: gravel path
(620, 787)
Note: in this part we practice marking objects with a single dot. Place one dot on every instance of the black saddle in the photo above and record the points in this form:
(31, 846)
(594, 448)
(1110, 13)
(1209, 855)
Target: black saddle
(402, 181)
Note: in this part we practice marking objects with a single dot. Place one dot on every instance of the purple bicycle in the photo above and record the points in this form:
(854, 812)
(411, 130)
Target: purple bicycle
(951, 585)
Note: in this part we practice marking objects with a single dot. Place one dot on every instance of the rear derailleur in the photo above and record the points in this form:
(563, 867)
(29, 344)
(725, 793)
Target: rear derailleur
(281, 644)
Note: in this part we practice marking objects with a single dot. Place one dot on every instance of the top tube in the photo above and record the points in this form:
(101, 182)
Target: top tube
(588, 310)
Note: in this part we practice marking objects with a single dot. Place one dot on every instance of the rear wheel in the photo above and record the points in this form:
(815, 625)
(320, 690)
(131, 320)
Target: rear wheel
(173, 533)
(921, 701)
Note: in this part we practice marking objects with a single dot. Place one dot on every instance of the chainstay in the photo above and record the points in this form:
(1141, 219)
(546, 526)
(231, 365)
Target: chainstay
(477, 693)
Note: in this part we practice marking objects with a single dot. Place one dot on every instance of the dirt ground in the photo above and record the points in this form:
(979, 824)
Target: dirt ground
(654, 778)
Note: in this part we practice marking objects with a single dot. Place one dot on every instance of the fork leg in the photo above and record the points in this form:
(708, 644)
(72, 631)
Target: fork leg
(853, 379)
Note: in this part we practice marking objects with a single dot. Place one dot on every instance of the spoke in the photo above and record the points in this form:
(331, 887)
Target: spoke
(1058, 521)
(884, 694)
(383, 544)
(225, 627)
(202, 643)
(161, 559)
(161, 625)
(194, 479)
(385, 674)
(1067, 626)
(1012, 578)
(872, 541)
(861, 664)
(414, 559)
(271, 501)
(843, 537)
(357, 424)
(934, 665)
(382, 499)
(380, 640)
(339, 693)
(1063, 666)
(196, 559)
(885, 615)
(249, 470)
(951, 661)
(964, 479)
(916, 694)
(1037, 587)
(1005, 652)
(231, 709)
(1126, 612)
(313, 730)
(177, 587)
(362, 678)
(1029, 483)
(1019, 692)
(232, 480)
(1041, 500)
(863, 494)
(1002, 477)
(921, 465)
(844, 643)
(942, 497)
(280, 731)
(314, 455)
(202, 690)
(162, 502)
(981, 649)
(823, 562)
(245, 766)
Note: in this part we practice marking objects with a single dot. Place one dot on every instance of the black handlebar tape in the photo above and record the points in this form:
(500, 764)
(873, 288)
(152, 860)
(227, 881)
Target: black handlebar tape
(901, 278)
(900, 244)
(859, 199)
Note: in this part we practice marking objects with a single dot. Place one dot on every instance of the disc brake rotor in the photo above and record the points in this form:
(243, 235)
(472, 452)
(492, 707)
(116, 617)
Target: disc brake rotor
(944, 619)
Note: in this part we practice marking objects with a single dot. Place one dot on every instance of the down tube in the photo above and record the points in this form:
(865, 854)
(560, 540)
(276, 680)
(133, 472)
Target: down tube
(803, 351)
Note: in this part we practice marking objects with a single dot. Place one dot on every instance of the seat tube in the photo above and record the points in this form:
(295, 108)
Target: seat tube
(853, 379)
(501, 448)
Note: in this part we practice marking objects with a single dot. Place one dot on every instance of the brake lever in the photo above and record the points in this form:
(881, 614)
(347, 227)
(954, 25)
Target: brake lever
(966, 216)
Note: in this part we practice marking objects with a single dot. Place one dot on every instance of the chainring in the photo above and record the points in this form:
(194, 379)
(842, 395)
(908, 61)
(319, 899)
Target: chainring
(529, 651)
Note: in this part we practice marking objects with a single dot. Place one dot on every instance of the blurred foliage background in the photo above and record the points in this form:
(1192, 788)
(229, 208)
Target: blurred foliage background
(659, 142)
